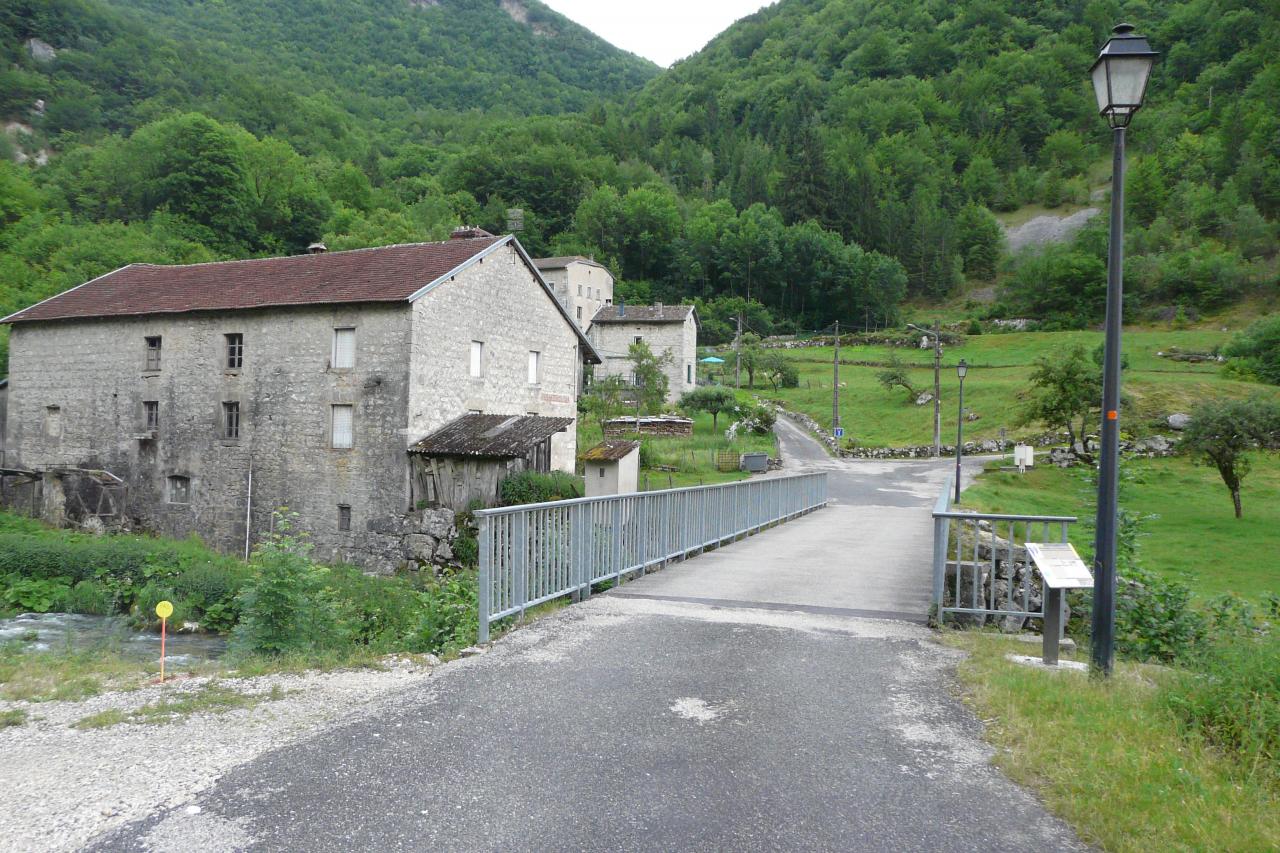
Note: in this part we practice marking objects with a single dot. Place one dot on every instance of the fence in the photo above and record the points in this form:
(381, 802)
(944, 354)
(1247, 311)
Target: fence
(982, 573)
(537, 552)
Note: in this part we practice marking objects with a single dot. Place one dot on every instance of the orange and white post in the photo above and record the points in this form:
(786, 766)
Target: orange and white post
(164, 610)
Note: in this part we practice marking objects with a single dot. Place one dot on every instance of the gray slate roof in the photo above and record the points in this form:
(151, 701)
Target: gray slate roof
(644, 314)
(562, 261)
(491, 436)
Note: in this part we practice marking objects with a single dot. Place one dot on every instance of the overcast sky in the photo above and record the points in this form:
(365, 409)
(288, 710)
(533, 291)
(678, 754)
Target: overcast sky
(661, 30)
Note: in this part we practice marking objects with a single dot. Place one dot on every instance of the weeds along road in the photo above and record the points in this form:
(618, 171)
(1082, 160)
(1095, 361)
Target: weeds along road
(743, 700)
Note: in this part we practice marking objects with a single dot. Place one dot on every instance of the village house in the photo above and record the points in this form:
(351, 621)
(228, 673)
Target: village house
(216, 393)
(582, 285)
(667, 329)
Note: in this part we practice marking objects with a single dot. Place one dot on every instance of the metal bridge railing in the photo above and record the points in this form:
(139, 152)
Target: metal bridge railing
(537, 552)
(981, 568)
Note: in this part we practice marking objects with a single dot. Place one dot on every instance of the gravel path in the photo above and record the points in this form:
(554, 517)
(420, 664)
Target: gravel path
(60, 786)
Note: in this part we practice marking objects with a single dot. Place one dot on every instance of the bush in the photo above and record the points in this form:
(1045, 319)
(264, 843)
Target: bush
(380, 613)
(91, 597)
(531, 487)
(1232, 698)
(34, 595)
(1155, 619)
(449, 618)
(1258, 348)
(754, 420)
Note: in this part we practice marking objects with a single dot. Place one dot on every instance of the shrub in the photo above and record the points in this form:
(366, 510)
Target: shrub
(34, 595)
(1155, 619)
(380, 613)
(975, 328)
(1232, 698)
(1258, 348)
(92, 597)
(530, 487)
(285, 607)
(755, 420)
(449, 618)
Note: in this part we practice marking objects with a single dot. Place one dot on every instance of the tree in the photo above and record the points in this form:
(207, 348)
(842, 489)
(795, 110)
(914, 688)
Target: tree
(605, 399)
(1259, 347)
(1066, 393)
(980, 239)
(780, 372)
(650, 374)
(1224, 433)
(751, 356)
(895, 375)
(713, 399)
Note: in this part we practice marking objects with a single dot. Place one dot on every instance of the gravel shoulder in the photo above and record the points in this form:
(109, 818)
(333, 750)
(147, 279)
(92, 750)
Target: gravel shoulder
(60, 786)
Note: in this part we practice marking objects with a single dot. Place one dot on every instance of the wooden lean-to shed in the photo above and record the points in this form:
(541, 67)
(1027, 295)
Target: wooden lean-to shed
(467, 459)
(612, 468)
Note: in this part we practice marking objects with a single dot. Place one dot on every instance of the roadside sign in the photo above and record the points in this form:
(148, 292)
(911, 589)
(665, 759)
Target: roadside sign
(164, 610)
(1060, 565)
(839, 432)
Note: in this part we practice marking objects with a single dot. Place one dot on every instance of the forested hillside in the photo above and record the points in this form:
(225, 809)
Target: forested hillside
(824, 158)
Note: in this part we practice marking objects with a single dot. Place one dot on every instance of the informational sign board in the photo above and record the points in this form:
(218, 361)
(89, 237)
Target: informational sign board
(839, 432)
(1060, 565)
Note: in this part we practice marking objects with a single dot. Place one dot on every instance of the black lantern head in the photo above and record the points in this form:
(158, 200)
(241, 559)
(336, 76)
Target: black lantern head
(1120, 74)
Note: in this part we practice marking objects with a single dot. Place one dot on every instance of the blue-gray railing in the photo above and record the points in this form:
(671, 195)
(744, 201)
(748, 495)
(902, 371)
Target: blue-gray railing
(537, 552)
(997, 584)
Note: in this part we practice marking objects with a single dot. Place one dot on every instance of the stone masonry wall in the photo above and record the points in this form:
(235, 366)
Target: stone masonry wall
(680, 339)
(499, 302)
(93, 371)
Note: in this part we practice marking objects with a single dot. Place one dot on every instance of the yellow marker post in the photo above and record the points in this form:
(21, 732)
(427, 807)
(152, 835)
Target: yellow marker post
(164, 610)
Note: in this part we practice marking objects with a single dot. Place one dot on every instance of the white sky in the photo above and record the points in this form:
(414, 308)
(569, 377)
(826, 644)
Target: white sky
(661, 30)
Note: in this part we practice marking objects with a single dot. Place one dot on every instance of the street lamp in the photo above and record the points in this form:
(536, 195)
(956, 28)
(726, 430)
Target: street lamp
(961, 370)
(1120, 77)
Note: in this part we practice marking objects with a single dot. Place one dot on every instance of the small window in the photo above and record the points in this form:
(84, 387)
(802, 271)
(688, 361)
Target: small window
(477, 359)
(579, 290)
(342, 426)
(638, 339)
(344, 348)
(475, 411)
(235, 351)
(151, 415)
(53, 421)
(179, 490)
(579, 313)
(601, 470)
(153, 352)
(608, 302)
(688, 373)
(344, 517)
(231, 420)
(535, 367)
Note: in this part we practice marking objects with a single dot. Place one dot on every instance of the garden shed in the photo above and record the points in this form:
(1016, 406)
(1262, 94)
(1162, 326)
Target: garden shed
(612, 468)
(467, 459)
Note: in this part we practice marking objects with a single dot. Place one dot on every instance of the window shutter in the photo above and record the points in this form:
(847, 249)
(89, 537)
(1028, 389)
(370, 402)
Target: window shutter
(344, 347)
(342, 418)
(533, 368)
(477, 358)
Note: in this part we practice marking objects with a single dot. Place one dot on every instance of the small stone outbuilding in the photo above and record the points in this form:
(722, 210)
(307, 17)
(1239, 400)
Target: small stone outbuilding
(612, 468)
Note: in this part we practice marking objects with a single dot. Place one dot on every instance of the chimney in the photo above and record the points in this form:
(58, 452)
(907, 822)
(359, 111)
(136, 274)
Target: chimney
(468, 232)
(658, 308)
(317, 248)
(622, 308)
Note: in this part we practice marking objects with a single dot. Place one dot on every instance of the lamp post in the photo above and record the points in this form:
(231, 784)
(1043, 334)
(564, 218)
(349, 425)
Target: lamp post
(1120, 77)
(961, 370)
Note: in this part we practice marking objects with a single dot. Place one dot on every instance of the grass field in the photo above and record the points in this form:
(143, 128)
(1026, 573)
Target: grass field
(1190, 531)
(1111, 759)
(1000, 365)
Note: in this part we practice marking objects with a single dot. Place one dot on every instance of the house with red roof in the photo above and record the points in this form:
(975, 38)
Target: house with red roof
(215, 393)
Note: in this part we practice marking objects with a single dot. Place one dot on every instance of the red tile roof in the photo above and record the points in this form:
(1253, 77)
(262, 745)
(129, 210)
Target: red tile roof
(386, 274)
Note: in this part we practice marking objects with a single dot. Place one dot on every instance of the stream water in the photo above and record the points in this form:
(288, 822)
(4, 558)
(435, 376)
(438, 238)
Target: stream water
(58, 631)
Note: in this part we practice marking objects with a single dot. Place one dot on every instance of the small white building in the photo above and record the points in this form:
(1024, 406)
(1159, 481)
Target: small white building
(612, 468)
(669, 329)
(582, 285)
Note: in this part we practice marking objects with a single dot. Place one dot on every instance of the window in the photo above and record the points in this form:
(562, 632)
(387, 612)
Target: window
(535, 367)
(179, 490)
(688, 374)
(235, 351)
(579, 290)
(638, 339)
(344, 348)
(477, 359)
(579, 313)
(231, 420)
(342, 424)
(53, 421)
(344, 517)
(601, 470)
(151, 415)
(153, 352)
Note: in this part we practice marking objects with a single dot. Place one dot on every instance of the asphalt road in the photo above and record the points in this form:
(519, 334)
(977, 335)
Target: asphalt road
(749, 716)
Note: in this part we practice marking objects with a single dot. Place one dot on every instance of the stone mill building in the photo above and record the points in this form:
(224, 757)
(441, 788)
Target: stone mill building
(206, 396)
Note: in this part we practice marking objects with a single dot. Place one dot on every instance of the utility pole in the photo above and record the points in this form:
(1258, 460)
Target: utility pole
(835, 382)
(937, 392)
(737, 350)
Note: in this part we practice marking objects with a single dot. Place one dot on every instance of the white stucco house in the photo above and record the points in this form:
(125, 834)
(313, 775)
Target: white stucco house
(669, 329)
(582, 285)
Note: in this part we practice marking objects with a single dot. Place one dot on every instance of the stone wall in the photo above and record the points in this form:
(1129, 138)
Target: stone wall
(583, 288)
(499, 302)
(613, 340)
(93, 371)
